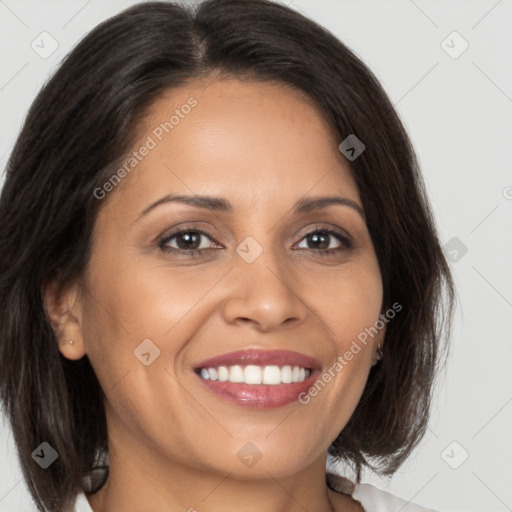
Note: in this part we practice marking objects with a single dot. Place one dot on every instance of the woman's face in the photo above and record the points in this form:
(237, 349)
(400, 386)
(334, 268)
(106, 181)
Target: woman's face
(261, 275)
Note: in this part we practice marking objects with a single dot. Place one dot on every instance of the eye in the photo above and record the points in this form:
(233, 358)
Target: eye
(188, 241)
(325, 241)
(194, 241)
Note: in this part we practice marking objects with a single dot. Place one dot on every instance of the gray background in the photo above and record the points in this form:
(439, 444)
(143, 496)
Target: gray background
(458, 111)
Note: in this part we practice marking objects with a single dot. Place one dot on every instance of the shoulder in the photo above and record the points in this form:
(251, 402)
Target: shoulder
(370, 498)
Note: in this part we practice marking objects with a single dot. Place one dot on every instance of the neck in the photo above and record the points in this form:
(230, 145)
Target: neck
(136, 483)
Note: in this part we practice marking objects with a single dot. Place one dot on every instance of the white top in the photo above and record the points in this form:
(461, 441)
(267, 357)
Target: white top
(371, 498)
(376, 500)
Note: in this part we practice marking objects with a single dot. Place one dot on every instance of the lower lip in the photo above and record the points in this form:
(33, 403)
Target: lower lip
(259, 395)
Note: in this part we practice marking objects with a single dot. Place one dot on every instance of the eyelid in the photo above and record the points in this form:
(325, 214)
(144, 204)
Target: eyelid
(328, 228)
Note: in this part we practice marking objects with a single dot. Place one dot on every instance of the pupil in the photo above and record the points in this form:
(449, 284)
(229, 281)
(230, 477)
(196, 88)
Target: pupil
(320, 240)
(189, 240)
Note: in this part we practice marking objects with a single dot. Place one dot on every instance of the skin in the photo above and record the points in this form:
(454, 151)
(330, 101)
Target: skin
(173, 444)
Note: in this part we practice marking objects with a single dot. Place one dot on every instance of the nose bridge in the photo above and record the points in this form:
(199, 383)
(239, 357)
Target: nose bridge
(262, 290)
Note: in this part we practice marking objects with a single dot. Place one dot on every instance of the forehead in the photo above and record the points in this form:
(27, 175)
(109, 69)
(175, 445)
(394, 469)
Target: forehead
(257, 142)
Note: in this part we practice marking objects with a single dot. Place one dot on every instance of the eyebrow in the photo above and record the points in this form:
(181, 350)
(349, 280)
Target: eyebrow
(219, 204)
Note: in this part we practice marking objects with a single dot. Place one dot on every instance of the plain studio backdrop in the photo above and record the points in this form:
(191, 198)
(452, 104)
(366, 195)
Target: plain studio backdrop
(447, 67)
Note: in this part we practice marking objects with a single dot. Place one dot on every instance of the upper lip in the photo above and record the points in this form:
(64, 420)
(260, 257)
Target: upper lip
(261, 358)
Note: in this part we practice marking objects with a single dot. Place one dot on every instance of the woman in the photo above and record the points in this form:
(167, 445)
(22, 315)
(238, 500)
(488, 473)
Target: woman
(218, 265)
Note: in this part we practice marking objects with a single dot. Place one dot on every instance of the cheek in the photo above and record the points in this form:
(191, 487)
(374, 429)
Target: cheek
(130, 302)
(351, 300)
(138, 301)
(350, 305)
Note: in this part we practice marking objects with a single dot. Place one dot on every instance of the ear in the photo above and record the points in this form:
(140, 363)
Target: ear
(64, 313)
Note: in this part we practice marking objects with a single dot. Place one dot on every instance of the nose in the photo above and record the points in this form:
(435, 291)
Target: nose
(264, 293)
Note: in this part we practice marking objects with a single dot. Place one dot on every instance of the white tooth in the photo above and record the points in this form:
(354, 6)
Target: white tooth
(272, 375)
(286, 374)
(252, 374)
(222, 374)
(236, 374)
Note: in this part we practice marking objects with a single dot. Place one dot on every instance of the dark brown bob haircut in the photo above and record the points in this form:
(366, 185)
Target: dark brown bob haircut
(80, 128)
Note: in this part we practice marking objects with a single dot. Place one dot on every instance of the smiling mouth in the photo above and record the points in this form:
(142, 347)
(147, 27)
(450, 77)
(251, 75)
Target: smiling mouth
(271, 375)
(258, 378)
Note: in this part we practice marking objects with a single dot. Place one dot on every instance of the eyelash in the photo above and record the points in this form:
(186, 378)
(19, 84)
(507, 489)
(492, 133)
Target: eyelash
(345, 241)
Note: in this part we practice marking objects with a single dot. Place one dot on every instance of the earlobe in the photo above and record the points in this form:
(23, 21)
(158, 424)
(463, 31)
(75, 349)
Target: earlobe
(378, 355)
(378, 347)
(63, 312)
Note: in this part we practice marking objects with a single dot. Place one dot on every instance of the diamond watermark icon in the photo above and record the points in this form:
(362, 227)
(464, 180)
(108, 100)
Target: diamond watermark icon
(44, 45)
(351, 147)
(249, 249)
(454, 455)
(147, 352)
(455, 249)
(454, 45)
(45, 455)
(249, 455)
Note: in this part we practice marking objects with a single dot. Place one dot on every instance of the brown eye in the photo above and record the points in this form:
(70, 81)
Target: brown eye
(325, 240)
(187, 241)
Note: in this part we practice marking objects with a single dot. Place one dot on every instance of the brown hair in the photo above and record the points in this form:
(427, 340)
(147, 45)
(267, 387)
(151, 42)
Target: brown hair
(82, 124)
